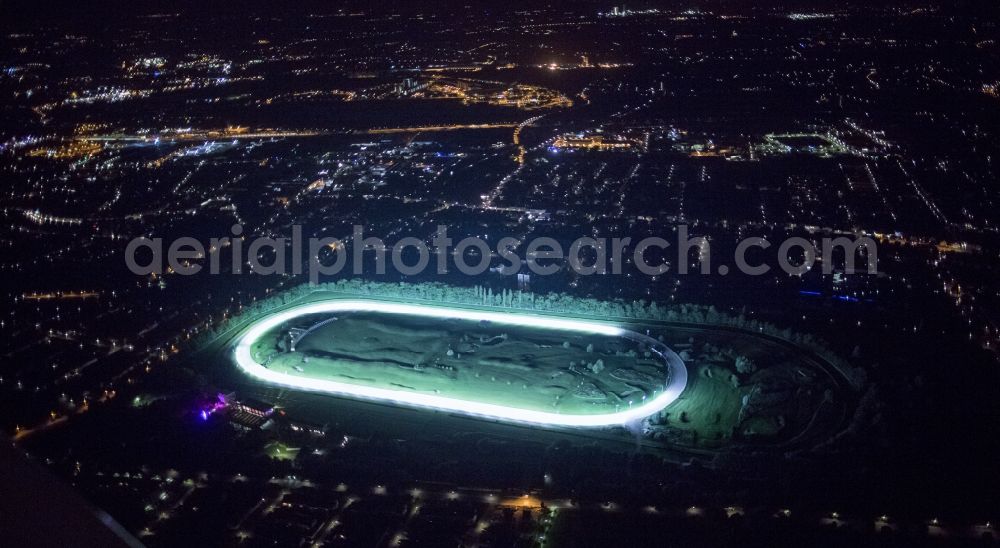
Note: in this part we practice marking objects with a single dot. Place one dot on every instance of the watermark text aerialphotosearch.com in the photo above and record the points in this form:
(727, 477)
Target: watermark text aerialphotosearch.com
(410, 256)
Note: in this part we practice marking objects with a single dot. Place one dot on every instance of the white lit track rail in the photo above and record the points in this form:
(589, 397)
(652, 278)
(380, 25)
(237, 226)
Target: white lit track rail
(674, 382)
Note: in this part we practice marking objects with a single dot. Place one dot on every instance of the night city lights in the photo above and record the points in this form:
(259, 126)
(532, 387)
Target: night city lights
(483, 274)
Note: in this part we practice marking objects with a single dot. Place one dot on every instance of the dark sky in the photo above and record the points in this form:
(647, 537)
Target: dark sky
(104, 8)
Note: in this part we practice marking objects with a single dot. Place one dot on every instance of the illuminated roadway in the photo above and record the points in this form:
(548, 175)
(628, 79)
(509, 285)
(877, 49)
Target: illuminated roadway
(674, 384)
(517, 138)
(450, 127)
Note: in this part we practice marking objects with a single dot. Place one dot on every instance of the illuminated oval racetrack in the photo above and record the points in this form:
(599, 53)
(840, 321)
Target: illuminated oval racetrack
(674, 382)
